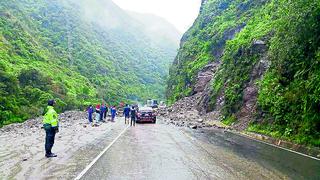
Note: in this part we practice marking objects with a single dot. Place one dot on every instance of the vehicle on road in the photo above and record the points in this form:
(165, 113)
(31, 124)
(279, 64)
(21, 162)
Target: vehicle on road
(152, 103)
(146, 114)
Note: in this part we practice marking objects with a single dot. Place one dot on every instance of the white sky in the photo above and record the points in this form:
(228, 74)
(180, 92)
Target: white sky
(181, 13)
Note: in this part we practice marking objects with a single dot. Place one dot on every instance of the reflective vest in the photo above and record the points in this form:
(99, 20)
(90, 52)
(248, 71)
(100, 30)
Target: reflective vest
(51, 117)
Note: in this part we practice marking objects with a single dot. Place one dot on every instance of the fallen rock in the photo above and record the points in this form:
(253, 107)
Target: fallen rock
(200, 120)
(193, 126)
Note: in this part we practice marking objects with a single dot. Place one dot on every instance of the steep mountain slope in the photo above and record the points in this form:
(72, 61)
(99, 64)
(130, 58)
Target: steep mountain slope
(77, 52)
(255, 65)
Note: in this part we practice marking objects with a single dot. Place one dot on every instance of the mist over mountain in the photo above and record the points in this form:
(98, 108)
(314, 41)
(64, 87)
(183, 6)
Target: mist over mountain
(78, 52)
(158, 28)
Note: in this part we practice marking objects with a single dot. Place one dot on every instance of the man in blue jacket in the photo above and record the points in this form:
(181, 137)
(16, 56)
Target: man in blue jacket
(90, 112)
(113, 113)
(126, 113)
(103, 110)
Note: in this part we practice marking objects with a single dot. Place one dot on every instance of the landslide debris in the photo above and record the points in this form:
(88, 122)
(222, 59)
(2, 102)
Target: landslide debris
(66, 120)
(184, 113)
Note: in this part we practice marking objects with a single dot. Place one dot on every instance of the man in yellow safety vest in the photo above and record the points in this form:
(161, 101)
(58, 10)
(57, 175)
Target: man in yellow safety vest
(51, 126)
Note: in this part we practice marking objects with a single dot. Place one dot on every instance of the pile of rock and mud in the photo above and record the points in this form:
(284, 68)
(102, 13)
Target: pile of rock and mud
(66, 119)
(184, 113)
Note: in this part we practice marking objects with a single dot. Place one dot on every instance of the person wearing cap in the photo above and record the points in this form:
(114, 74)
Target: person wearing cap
(51, 126)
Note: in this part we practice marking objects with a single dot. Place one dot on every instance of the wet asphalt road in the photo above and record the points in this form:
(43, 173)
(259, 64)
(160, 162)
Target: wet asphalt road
(159, 151)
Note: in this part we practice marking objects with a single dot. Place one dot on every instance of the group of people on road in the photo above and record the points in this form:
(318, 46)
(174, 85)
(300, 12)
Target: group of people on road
(100, 112)
(130, 112)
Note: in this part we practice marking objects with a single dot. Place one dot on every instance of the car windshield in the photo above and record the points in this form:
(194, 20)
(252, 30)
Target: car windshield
(146, 109)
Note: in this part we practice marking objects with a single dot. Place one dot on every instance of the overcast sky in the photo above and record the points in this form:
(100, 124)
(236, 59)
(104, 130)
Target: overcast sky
(181, 13)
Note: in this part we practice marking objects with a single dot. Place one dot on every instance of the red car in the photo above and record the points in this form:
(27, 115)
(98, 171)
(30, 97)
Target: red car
(146, 114)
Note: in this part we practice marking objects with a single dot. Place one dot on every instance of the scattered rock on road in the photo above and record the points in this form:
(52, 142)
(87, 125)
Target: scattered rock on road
(193, 126)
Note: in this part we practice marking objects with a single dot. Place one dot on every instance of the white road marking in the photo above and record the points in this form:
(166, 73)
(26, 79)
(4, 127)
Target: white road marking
(295, 152)
(99, 156)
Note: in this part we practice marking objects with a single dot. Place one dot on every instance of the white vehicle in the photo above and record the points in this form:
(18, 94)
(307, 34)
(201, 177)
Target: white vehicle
(152, 103)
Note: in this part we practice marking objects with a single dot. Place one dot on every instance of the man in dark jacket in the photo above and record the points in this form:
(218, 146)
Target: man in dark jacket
(102, 110)
(105, 112)
(133, 116)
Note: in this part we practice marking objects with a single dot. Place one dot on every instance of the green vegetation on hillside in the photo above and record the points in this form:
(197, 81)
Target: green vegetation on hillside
(289, 92)
(55, 49)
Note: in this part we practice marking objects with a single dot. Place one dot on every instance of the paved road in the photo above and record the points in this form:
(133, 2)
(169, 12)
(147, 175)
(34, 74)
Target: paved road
(160, 151)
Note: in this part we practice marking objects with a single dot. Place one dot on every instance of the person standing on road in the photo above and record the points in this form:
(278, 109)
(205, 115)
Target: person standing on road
(102, 110)
(51, 126)
(133, 116)
(126, 113)
(90, 112)
(113, 113)
(97, 113)
(105, 112)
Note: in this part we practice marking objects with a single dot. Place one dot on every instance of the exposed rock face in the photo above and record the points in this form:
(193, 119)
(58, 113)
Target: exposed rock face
(250, 93)
(203, 103)
(205, 76)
